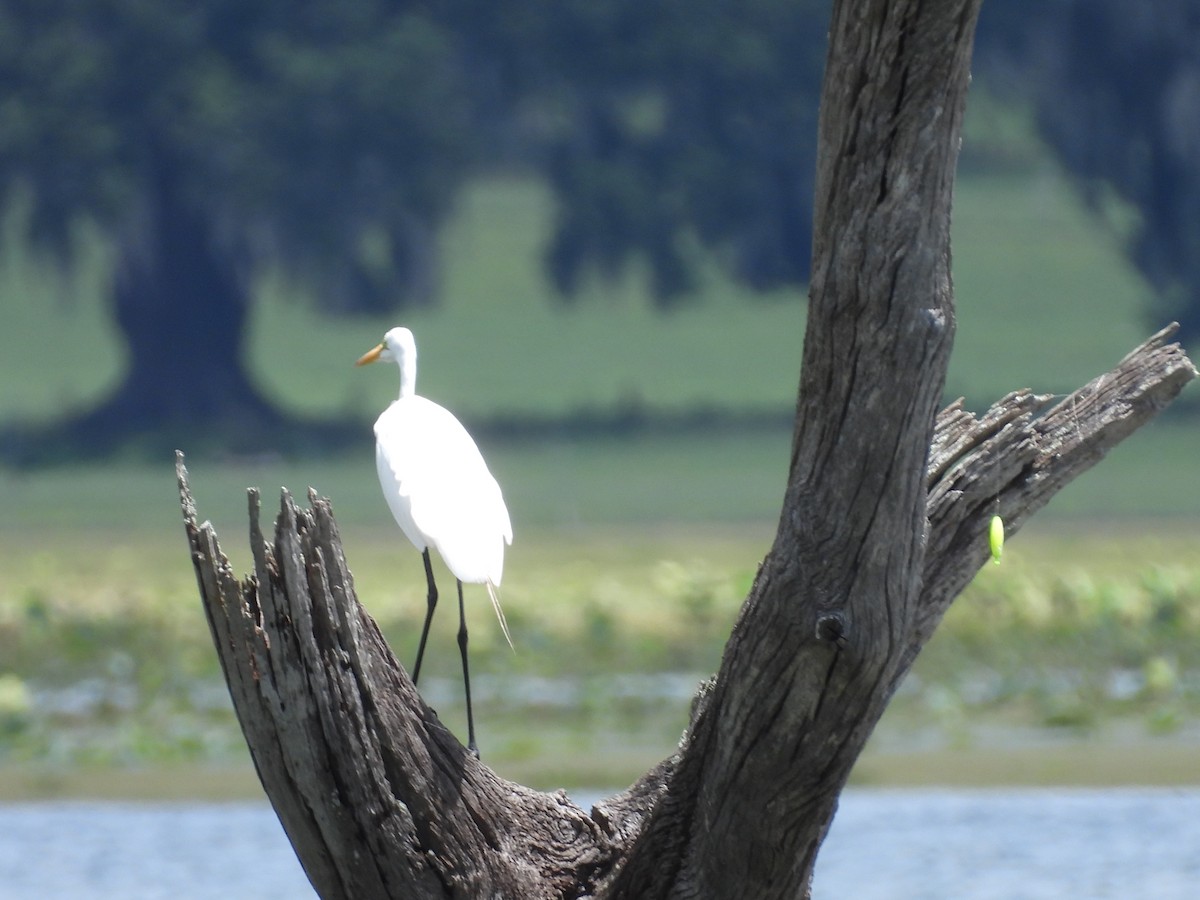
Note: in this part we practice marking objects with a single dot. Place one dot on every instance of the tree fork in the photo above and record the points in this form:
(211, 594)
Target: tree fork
(360, 771)
(883, 522)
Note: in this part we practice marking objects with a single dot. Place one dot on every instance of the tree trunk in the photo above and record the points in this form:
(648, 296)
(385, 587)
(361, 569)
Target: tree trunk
(182, 307)
(824, 628)
(884, 521)
(380, 800)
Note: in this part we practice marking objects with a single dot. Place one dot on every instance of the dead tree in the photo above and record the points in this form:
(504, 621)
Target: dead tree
(883, 523)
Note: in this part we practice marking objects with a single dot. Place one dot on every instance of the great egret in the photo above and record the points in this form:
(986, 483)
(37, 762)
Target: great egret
(441, 494)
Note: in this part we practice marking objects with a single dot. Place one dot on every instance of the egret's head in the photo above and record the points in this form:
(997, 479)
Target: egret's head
(398, 346)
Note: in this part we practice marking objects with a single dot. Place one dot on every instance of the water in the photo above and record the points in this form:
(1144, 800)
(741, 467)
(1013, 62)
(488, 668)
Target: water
(145, 852)
(1013, 845)
(909, 844)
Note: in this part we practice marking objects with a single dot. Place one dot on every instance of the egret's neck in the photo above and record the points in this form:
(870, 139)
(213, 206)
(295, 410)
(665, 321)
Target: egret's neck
(408, 375)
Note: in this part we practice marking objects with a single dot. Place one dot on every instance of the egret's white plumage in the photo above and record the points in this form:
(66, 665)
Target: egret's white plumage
(439, 488)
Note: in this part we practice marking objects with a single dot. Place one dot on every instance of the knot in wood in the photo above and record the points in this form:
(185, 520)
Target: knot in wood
(568, 832)
(832, 628)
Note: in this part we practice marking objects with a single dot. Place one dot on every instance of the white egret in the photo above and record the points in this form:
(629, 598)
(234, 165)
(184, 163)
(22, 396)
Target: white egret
(441, 493)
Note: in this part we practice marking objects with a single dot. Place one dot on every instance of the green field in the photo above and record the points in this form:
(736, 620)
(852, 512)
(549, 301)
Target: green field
(1045, 300)
(631, 553)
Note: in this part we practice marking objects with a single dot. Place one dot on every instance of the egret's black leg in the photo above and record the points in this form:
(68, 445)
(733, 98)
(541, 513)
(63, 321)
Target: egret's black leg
(431, 599)
(462, 648)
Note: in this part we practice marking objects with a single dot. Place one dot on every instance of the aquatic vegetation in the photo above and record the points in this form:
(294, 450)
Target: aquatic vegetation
(107, 660)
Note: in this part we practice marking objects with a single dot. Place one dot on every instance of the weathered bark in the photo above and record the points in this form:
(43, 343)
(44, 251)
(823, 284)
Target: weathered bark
(883, 523)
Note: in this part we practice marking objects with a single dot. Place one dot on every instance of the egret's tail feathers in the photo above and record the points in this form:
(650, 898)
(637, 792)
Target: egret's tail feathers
(491, 589)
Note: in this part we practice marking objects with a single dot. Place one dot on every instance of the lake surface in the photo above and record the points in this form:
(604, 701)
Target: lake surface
(1003, 844)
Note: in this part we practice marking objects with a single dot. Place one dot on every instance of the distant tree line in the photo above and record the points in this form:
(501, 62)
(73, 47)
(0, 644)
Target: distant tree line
(213, 139)
(1116, 90)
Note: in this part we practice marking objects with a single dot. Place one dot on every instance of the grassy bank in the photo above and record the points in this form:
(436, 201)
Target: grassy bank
(1076, 638)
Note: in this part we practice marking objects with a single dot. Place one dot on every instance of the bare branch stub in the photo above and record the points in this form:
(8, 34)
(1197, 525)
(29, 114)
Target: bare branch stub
(1012, 461)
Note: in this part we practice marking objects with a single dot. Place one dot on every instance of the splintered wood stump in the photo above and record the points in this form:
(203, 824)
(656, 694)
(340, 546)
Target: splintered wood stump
(377, 796)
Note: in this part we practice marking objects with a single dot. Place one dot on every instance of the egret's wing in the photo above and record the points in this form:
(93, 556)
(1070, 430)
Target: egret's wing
(395, 467)
(440, 489)
(472, 525)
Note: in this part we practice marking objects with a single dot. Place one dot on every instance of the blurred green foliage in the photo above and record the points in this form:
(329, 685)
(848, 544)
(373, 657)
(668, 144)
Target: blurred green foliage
(1030, 267)
(224, 151)
(107, 660)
